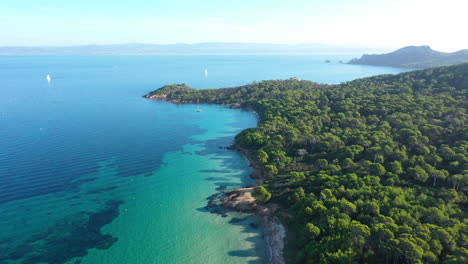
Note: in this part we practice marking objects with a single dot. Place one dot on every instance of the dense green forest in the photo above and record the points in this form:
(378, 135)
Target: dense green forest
(414, 57)
(369, 171)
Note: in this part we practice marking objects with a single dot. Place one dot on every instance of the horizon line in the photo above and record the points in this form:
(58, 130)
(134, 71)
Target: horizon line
(198, 43)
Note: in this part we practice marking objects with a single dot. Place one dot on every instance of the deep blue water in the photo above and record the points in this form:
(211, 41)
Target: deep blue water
(55, 138)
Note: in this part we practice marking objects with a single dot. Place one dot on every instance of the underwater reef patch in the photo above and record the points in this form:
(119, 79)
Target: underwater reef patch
(69, 238)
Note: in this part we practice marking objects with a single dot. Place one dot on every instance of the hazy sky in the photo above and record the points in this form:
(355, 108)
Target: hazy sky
(370, 23)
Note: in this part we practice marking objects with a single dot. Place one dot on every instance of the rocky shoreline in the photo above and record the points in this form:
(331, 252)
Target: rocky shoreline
(242, 200)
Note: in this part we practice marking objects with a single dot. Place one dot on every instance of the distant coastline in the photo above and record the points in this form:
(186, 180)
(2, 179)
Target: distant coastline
(413, 57)
(212, 48)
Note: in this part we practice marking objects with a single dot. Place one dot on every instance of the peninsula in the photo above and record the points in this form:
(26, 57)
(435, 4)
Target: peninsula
(414, 57)
(368, 171)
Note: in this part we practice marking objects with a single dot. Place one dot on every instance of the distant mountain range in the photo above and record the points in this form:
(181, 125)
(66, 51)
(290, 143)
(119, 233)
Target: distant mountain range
(200, 48)
(414, 57)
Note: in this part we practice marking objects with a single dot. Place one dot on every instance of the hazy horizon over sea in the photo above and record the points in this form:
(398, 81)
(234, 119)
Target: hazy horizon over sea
(91, 172)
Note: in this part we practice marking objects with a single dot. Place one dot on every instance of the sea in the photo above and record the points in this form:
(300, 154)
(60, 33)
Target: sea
(91, 172)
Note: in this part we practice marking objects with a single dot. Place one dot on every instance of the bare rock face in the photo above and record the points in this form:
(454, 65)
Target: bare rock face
(156, 96)
(240, 200)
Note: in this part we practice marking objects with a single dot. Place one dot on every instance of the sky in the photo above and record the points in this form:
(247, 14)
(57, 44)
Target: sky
(358, 23)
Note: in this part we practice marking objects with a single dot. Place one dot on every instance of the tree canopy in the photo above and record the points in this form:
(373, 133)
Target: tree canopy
(372, 171)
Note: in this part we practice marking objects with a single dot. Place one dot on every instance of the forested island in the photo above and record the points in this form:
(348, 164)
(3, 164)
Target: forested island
(416, 57)
(369, 171)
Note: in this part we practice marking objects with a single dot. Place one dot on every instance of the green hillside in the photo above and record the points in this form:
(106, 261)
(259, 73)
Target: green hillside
(370, 171)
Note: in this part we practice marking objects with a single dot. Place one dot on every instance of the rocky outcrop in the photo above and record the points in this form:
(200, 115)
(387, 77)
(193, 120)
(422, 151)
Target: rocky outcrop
(156, 96)
(240, 200)
(243, 201)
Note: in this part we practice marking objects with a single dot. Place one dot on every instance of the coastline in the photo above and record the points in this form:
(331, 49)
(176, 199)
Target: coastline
(275, 231)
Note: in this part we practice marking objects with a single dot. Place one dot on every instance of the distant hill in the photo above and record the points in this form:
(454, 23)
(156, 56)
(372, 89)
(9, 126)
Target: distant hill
(182, 48)
(414, 57)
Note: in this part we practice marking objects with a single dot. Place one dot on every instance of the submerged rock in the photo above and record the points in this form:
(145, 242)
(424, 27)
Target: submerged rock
(236, 220)
(69, 238)
(221, 188)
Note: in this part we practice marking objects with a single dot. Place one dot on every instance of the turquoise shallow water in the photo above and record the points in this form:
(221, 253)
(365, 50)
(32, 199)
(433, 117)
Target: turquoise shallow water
(91, 172)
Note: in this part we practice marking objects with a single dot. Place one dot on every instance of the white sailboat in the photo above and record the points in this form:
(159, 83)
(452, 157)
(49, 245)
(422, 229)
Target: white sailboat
(48, 79)
(206, 72)
(198, 105)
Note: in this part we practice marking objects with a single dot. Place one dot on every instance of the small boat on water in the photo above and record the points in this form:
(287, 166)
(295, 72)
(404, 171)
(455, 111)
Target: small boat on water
(48, 78)
(198, 106)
